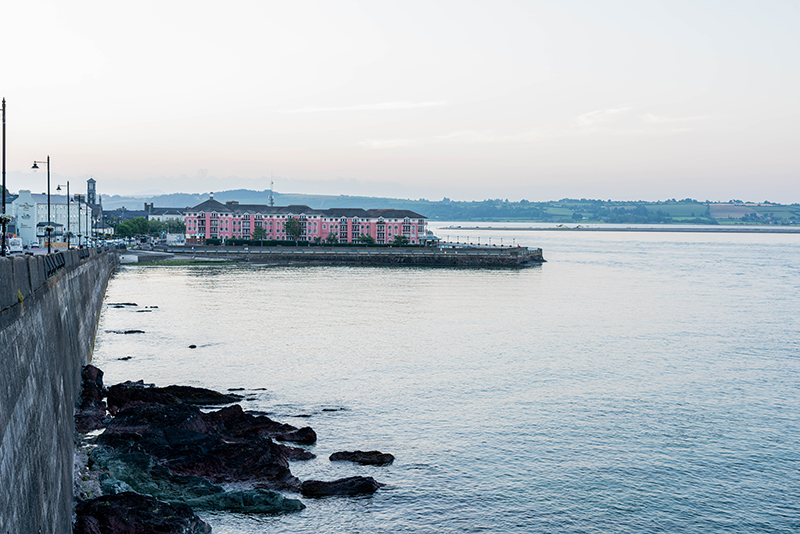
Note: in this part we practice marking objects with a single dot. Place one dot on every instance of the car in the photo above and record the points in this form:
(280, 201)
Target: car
(34, 245)
(15, 245)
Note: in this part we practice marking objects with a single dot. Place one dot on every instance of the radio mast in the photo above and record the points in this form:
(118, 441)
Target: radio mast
(271, 196)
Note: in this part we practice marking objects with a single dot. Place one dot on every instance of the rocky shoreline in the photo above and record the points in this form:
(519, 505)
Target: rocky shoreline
(148, 456)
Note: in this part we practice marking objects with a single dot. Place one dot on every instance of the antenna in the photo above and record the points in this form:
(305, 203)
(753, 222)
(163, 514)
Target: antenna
(271, 186)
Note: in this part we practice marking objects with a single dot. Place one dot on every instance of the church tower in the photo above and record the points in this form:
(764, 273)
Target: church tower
(91, 194)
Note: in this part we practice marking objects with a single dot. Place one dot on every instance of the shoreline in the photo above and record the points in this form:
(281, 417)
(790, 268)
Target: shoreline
(704, 229)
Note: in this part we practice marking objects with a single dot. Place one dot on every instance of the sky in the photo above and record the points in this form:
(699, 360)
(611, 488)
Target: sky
(541, 100)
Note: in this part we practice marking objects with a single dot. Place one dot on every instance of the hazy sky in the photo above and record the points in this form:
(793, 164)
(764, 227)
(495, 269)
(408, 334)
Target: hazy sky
(466, 99)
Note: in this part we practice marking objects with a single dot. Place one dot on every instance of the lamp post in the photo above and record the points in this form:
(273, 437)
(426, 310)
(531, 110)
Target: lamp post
(78, 198)
(58, 188)
(88, 229)
(49, 221)
(3, 215)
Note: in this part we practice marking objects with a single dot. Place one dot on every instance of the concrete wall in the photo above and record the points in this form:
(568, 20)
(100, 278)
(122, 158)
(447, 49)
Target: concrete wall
(423, 256)
(49, 307)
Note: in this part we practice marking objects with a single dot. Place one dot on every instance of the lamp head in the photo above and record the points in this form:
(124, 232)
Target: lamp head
(35, 166)
(58, 188)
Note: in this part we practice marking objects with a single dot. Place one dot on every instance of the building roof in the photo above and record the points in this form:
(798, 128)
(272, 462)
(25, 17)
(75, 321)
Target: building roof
(41, 198)
(211, 205)
(167, 211)
(297, 209)
(124, 215)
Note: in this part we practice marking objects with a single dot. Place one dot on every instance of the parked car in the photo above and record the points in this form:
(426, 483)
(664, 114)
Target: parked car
(15, 245)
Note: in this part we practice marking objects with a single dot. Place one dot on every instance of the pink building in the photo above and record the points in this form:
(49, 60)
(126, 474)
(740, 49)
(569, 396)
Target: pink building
(212, 219)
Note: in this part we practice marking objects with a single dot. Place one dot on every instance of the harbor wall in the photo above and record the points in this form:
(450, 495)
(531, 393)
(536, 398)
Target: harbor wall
(432, 257)
(49, 308)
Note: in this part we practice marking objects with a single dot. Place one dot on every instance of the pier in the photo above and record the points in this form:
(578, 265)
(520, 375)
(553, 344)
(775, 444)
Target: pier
(447, 256)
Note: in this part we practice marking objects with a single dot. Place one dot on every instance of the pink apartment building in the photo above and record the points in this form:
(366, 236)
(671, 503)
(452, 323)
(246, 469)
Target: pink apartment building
(212, 219)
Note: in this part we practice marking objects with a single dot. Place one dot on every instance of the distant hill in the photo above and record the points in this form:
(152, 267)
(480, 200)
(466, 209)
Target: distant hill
(686, 211)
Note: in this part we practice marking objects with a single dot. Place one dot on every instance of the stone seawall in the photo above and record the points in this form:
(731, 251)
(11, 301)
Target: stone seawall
(49, 307)
(433, 257)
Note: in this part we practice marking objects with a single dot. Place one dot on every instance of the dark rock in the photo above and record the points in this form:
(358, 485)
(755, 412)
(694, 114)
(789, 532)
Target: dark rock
(237, 423)
(184, 441)
(122, 304)
(92, 390)
(112, 486)
(90, 419)
(133, 332)
(148, 417)
(192, 346)
(305, 435)
(202, 396)
(141, 473)
(92, 409)
(257, 501)
(362, 457)
(125, 358)
(343, 486)
(297, 453)
(121, 395)
(254, 460)
(235, 389)
(143, 311)
(144, 475)
(131, 513)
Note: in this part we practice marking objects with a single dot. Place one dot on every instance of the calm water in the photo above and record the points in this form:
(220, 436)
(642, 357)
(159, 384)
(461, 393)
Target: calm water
(634, 383)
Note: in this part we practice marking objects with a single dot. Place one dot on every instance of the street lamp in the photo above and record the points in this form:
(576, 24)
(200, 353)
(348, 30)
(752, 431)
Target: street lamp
(58, 188)
(78, 198)
(5, 218)
(49, 221)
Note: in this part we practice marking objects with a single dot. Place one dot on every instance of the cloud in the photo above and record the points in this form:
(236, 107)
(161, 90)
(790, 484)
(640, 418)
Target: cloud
(655, 119)
(598, 116)
(382, 106)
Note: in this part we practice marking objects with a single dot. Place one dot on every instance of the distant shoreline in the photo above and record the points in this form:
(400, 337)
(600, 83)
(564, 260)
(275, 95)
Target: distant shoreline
(703, 229)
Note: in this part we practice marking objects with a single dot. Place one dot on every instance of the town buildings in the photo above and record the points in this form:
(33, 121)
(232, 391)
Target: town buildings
(30, 213)
(214, 220)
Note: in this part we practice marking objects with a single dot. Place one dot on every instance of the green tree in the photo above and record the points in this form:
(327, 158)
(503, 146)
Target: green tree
(366, 239)
(259, 234)
(331, 239)
(400, 240)
(140, 225)
(123, 229)
(293, 228)
(155, 227)
(175, 226)
(132, 227)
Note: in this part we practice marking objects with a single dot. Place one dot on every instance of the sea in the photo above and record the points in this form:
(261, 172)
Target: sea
(636, 382)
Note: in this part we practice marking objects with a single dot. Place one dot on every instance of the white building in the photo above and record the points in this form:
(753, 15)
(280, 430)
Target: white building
(30, 211)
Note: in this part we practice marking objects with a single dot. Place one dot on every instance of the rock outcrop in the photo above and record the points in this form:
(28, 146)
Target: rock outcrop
(160, 452)
(342, 486)
(91, 413)
(362, 457)
(132, 513)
